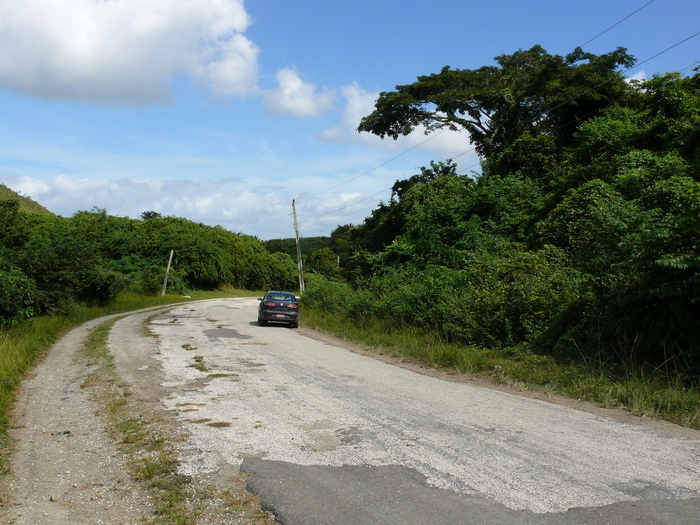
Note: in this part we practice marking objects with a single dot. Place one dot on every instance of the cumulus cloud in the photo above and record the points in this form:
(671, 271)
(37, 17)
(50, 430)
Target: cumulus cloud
(359, 103)
(124, 51)
(295, 98)
(213, 202)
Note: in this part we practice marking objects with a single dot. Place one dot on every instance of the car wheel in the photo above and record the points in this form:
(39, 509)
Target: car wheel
(261, 322)
(294, 325)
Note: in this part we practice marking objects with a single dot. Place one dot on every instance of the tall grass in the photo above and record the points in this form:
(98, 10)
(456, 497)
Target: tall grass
(20, 347)
(663, 394)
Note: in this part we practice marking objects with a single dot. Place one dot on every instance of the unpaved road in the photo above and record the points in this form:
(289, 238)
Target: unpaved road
(331, 436)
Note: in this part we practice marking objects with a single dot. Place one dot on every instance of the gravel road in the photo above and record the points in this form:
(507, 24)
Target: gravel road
(330, 435)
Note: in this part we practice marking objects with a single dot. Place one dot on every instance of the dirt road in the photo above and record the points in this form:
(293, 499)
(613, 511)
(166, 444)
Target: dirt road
(66, 469)
(330, 436)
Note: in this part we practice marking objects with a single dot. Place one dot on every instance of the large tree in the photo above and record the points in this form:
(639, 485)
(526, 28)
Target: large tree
(527, 92)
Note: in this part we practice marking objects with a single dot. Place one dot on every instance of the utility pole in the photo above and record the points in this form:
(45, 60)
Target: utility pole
(167, 271)
(299, 263)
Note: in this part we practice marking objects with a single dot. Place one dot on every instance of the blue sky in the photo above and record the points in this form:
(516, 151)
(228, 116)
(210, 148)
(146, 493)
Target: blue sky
(222, 112)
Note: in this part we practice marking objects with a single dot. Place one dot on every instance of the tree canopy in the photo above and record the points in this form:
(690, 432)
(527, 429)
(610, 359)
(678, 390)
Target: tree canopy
(530, 91)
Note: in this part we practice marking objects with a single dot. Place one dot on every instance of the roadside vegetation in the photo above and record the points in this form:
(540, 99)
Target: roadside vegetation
(662, 392)
(23, 344)
(57, 272)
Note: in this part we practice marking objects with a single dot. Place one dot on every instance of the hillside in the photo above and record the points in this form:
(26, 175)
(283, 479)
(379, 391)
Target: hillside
(25, 203)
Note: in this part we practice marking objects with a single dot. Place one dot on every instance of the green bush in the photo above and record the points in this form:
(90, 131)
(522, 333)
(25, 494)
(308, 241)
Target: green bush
(18, 294)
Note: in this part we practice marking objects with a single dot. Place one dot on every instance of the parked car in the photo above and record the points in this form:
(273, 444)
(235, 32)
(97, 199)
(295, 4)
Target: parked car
(278, 307)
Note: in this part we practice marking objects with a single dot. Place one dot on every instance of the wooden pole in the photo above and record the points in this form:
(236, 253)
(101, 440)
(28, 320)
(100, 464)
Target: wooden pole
(299, 262)
(167, 271)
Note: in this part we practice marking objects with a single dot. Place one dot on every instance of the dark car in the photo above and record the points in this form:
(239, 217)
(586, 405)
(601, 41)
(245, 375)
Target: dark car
(278, 307)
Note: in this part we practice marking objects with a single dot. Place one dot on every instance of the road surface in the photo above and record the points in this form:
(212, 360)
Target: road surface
(331, 436)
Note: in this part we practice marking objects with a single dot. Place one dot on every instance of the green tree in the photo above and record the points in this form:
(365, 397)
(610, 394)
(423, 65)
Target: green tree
(325, 262)
(12, 232)
(147, 215)
(529, 91)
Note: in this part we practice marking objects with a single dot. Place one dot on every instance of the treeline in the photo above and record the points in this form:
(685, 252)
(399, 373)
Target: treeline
(317, 254)
(48, 263)
(579, 238)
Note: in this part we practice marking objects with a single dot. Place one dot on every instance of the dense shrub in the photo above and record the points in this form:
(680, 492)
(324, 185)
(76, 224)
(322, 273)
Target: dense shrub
(48, 263)
(583, 246)
(18, 294)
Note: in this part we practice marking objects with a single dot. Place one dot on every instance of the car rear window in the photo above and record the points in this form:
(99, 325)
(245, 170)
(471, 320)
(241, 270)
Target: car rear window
(282, 297)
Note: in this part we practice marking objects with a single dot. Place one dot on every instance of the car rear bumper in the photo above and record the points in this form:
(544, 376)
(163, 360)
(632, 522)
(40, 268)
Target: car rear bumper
(281, 317)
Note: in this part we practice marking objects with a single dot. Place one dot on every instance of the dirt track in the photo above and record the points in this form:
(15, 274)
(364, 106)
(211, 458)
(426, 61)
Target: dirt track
(66, 469)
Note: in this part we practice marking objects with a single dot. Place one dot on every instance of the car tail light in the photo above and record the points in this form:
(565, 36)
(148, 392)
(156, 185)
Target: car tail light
(269, 303)
(292, 305)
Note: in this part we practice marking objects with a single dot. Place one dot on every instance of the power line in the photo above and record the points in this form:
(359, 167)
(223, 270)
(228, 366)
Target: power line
(617, 23)
(664, 51)
(346, 206)
(442, 130)
(431, 137)
(635, 66)
(470, 150)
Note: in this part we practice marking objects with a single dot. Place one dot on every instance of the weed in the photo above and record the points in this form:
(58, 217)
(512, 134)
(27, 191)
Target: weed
(214, 376)
(199, 364)
(23, 344)
(153, 456)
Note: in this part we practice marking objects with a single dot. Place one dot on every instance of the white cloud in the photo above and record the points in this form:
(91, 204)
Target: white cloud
(262, 212)
(359, 103)
(642, 75)
(124, 51)
(295, 98)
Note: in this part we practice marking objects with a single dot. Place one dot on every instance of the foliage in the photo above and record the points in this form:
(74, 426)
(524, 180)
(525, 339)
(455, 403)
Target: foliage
(578, 243)
(579, 238)
(317, 254)
(529, 91)
(18, 293)
(25, 203)
(661, 393)
(49, 263)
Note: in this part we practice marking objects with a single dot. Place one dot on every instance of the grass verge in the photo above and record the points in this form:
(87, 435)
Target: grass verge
(661, 394)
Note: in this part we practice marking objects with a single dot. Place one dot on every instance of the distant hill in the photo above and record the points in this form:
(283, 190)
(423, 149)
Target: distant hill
(25, 203)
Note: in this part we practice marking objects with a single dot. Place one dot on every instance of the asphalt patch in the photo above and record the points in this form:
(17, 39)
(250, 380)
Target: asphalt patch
(225, 333)
(396, 495)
